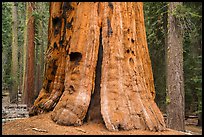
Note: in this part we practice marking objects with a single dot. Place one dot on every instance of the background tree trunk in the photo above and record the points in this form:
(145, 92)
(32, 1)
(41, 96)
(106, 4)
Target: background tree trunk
(41, 57)
(112, 37)
(24, 85)
(14, 65)
(29, 79)
(175, 81)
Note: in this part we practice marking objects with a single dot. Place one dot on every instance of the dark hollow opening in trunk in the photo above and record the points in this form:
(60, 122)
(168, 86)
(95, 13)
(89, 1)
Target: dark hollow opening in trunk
(75, 57)
(94, 110)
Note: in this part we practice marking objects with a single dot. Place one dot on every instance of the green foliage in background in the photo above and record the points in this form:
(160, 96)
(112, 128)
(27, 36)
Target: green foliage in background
(6, 44)
(155, 22)
(42, 16)
(193, 56)
(190, 16)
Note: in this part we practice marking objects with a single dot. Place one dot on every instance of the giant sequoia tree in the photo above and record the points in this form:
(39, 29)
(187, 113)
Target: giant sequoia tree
(98, 67)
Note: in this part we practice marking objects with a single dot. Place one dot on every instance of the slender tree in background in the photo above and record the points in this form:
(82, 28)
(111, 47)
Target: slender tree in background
(29, 77)
(175, 81)
(110, 39)
(24, 85)
(21, 26)
(38, 48)
(14, 64)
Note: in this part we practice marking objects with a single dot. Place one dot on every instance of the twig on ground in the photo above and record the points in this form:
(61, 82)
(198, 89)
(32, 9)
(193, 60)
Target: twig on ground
(39, 130)
(81, 130)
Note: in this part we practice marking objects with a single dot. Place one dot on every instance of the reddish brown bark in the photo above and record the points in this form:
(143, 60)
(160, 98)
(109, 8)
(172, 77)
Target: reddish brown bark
(98, 67)
(29, 80)
(127, 84)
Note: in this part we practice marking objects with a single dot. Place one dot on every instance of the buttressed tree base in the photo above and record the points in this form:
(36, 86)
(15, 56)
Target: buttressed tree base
(98, 67)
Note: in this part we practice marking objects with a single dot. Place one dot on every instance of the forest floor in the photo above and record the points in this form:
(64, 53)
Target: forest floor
(43, 125)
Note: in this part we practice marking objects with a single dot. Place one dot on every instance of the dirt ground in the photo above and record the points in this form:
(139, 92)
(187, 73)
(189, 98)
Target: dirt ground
(43, 125)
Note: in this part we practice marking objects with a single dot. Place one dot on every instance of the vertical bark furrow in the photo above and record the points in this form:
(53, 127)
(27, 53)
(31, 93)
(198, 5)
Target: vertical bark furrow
(105, 110)
(94, 110)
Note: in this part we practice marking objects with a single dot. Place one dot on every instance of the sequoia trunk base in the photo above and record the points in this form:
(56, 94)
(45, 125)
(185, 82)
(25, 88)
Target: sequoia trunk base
(98, 67)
